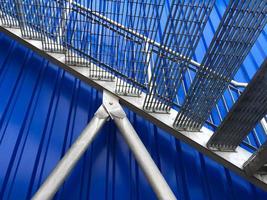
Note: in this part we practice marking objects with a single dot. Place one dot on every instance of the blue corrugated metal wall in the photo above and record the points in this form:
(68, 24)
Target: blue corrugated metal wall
(42, 111)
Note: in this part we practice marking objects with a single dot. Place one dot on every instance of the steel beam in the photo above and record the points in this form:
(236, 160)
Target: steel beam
(198, 140)
(67, 163)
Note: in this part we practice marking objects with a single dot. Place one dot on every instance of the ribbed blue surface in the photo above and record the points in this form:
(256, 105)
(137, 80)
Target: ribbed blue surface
(43, 110)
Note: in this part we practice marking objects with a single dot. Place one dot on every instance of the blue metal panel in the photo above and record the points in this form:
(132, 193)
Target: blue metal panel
(42, 111)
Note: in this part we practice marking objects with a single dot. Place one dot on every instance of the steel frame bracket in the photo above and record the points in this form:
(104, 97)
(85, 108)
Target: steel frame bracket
(142, 156)
(112, 106)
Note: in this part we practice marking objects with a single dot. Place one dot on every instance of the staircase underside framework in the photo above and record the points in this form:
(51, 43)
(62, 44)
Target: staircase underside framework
(138, 78)
(233, 161)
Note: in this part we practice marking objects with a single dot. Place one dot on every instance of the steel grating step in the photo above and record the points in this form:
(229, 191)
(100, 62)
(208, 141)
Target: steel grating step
(232, 160)
(239, 28)
(247, 112)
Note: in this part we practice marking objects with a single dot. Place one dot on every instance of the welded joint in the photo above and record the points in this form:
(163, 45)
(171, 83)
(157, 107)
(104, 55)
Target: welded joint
(102, 113)
(112, 106)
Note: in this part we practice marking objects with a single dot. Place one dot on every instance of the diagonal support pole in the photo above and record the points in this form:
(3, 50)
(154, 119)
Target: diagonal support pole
(110, 109)
(142, 156)
(67, 163)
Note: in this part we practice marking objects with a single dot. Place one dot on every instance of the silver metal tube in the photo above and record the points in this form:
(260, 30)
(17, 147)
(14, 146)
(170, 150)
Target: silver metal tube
(233, 161)
(67, 163)
(150, 169)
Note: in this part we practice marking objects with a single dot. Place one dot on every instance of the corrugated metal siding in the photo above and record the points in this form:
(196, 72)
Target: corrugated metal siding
(43, 110)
